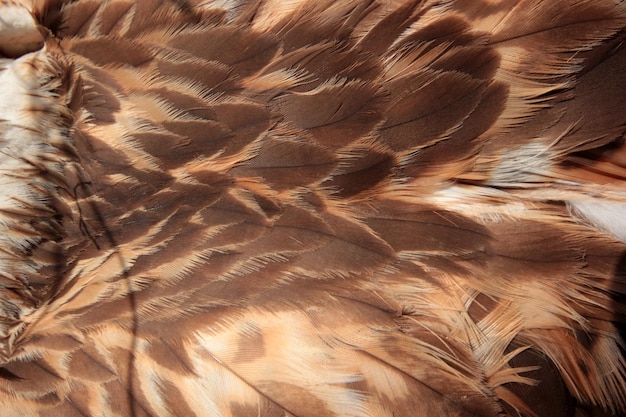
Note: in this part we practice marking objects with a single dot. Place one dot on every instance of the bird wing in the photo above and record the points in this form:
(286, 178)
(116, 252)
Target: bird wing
(314, 208)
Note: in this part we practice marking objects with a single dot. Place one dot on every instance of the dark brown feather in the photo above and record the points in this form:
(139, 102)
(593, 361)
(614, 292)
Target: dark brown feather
(301, 208)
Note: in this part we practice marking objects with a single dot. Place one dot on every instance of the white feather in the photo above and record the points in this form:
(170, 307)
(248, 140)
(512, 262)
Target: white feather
(609, 216)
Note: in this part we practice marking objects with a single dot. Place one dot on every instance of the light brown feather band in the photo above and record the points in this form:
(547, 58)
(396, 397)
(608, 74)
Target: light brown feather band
(312, 208)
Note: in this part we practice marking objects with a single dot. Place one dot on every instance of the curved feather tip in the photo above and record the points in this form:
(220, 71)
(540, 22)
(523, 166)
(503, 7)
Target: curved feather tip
(312, 208)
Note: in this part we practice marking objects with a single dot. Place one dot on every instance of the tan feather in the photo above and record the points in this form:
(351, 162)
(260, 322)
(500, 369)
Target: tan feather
(312, 208)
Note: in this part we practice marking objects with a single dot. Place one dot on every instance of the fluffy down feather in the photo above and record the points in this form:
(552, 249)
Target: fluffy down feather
(312, 208)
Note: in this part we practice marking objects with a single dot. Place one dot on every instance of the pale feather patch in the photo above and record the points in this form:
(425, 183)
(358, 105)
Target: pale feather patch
(273, 11)
(30, 114)
(295, 355)
(529, 164)
(18, 31)
(214, 389)
(606, 215)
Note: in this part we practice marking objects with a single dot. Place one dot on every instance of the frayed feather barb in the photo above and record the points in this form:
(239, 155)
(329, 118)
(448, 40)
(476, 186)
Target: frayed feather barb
(324, 208)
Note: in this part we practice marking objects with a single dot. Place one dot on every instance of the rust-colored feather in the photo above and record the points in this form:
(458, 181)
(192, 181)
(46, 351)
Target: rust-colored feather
(312, 208)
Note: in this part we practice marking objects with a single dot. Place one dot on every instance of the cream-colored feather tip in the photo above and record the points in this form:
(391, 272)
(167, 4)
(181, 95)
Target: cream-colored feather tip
(19, 34)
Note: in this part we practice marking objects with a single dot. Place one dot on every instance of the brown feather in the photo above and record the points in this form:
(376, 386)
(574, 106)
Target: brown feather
(313, 208)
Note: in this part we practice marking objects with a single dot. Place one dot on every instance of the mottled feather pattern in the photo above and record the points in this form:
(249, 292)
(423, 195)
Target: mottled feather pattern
(312, 208)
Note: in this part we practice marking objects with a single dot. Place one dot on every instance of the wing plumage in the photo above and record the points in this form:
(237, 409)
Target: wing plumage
(313, 208)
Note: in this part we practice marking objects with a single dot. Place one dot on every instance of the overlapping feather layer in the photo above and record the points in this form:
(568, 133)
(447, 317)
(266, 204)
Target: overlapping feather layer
(314, 208)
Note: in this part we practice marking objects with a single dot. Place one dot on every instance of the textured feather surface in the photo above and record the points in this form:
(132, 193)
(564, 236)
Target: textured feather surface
(313, 208)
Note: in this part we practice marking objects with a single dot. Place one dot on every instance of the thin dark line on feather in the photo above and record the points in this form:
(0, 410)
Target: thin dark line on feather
(432, 332)
(438, 213)
(47, 370)
(453, 103)
(133, 403)
(271, 167)
(555, 27)
(174, 352)
(452, 226)
(229, 369)
(533, 260)
(398, 314)
(442, 395)
(97, 362)
(75, 407)
(391, 310)
(81, 222)
(351, 242)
